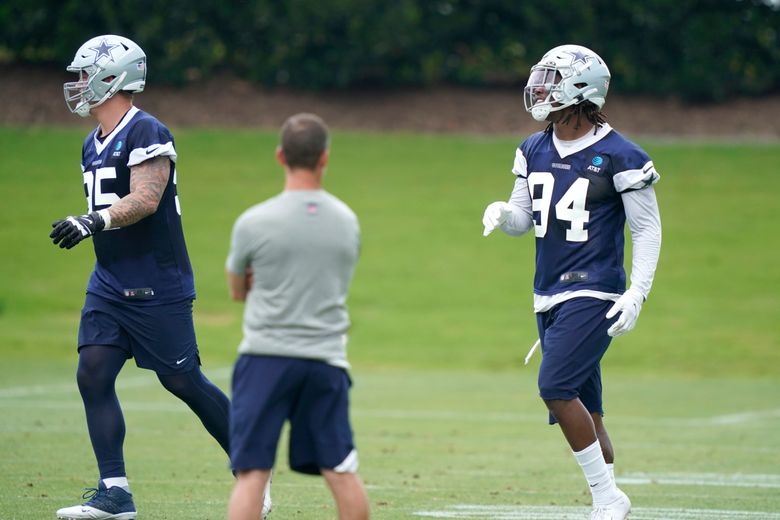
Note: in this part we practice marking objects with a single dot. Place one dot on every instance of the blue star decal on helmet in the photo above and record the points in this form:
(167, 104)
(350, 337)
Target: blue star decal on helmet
(578, 56)
(104, 49)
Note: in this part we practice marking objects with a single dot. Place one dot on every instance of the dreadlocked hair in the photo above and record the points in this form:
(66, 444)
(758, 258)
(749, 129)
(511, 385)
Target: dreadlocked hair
(586, 109)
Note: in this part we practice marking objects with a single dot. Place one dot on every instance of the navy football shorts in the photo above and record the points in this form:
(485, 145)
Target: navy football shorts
(574, 339)
(159, 337)
(312, 395)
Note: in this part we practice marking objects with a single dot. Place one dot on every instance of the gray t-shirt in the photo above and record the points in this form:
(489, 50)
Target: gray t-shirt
(303, 247)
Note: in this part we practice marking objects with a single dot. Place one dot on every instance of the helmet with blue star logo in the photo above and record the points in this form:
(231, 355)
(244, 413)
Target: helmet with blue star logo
(106, 65)
(566, 75)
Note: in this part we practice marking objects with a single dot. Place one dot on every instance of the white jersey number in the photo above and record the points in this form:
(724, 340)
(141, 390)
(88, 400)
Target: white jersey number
(93, 183)
(571, 207)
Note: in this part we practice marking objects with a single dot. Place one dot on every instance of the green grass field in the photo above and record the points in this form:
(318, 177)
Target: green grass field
(446, 417)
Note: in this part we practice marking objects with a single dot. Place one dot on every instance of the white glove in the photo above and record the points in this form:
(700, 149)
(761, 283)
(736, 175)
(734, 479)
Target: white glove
(628, 305)
(495, 214)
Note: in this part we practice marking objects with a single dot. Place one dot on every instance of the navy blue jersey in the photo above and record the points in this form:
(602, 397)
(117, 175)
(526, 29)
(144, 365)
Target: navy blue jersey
(578, 212)
(145, 263)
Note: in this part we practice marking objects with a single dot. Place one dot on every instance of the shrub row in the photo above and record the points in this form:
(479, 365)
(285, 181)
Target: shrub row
(704, 50)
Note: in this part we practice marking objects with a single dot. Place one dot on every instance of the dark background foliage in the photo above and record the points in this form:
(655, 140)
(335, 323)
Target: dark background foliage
(705, 50)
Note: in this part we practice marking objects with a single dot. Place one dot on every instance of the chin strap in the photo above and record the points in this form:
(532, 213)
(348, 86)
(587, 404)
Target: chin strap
(111, 91)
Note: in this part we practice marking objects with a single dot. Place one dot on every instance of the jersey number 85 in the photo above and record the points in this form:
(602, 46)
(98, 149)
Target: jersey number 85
(98, 199)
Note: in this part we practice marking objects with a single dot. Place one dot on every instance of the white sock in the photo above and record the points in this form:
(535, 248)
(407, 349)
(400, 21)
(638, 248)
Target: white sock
(600, 480)
(611, 468)
(117, 481)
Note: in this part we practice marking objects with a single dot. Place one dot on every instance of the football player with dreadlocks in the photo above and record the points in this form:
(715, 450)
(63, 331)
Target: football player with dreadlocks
(577, 183)
(139, 296)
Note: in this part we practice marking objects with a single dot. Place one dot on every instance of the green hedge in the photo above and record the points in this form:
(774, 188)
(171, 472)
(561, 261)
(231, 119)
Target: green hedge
(701, 50)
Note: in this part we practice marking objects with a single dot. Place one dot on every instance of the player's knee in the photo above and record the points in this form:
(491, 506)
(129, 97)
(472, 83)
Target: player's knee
(550, 393)
(183, 386)
(83, 379)
(98, 368)
(557, 406)
(177, 385)
(93, 381)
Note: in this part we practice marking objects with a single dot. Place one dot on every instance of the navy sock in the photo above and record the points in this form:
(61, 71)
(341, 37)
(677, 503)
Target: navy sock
(204, 398)
(96, 376)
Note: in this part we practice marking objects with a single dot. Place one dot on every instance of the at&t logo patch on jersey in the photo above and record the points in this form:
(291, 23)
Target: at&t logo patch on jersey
(117, 149)
(595, 164)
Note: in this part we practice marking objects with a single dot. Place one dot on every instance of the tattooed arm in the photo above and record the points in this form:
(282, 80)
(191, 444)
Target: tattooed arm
(147, 185)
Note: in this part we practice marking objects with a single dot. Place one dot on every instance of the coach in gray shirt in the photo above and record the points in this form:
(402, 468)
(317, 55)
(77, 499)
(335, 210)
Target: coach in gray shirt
(291, 260)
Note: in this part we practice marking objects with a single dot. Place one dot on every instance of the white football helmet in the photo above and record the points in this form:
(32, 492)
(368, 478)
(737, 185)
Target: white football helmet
(565, 76)
(105, 65)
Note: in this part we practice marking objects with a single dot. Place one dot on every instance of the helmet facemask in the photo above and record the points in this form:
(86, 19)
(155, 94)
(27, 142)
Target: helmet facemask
(542, 92)
(91, 90)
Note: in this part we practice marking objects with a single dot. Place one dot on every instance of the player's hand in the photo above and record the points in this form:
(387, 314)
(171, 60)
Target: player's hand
(495, 214)
(628, 305)
(71, 230)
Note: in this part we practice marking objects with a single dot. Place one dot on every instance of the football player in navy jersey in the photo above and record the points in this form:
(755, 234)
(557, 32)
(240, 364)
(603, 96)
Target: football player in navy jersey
(577, 183)
(139, 296)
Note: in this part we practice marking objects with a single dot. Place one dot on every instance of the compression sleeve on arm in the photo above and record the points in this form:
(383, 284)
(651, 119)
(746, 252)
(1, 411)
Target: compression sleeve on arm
(521, 219)
(644, 222)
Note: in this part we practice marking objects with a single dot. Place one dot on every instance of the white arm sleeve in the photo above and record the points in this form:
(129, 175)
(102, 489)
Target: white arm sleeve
(521, 219)
(644, 222)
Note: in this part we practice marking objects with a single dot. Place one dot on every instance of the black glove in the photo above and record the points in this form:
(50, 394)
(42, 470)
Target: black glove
(71, 230)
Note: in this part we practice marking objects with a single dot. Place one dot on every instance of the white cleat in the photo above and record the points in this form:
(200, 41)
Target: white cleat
(88, 512)
(617, 510)
(103, 504)
(267, 500)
